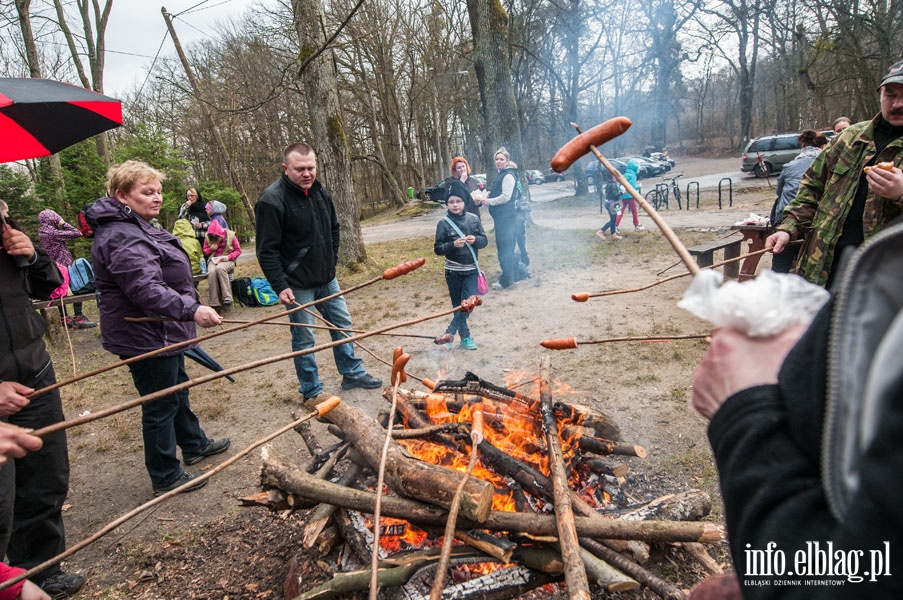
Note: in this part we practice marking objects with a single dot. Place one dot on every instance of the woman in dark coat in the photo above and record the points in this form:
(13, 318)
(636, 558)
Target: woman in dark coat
(141, 271)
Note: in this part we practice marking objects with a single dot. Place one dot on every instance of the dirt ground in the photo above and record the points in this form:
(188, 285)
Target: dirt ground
(203, 545)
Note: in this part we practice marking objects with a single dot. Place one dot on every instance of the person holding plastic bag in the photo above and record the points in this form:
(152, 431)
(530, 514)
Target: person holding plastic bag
(459, 235)
(806, 429)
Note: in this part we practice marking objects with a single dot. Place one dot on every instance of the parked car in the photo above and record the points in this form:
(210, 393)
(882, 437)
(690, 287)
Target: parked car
(436, 193)
(552, 175)
(661, 157)
(653, 167)
(534, 177)
(481, 177)
(769, 153)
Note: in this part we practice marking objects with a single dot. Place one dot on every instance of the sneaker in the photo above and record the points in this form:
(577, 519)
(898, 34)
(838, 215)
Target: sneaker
(496, 286)
(639, 228)
(601, 235)
(182, 480)
(366, 381)
(62, 585)
(82, 322)
(468, 343)
(445, 338)
(213, 447)
(617, 237)
(226, 308)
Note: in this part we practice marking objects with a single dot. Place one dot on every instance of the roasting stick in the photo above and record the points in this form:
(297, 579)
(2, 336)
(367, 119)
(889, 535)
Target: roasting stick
(574, 570)
(476, 436)
(320, 410)
(571, 343)
(666, 230)
(328, 328)
(400, 359)
(390, 273)
(584, 296)
(467, 305)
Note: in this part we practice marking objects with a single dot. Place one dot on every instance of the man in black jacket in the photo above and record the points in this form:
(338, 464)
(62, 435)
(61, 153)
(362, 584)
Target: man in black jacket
(33, 487)
(298, 249)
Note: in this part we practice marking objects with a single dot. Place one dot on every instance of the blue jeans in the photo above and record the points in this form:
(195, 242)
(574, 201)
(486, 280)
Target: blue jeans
(505, 221)
(461, 285)
(336, 312)
(167, 422)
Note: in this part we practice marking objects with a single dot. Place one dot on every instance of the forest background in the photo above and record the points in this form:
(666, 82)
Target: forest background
(388, 91)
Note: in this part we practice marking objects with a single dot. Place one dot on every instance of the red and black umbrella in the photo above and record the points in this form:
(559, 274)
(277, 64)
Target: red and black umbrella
(39, 117)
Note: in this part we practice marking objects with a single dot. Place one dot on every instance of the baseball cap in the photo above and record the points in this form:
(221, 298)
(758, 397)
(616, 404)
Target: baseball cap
(893, 75)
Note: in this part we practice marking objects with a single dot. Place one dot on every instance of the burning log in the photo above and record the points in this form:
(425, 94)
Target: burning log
(574, 570)
(410, 477)
(276, 474)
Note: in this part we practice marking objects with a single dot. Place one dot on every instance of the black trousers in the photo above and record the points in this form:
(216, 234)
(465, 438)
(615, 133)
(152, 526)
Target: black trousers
(34, 487)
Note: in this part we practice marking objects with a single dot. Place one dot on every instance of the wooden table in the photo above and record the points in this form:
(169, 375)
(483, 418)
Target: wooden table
(755, 235)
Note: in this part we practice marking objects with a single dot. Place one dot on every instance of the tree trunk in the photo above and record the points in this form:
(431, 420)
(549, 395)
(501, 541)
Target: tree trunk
(489, 24)
(319, 80)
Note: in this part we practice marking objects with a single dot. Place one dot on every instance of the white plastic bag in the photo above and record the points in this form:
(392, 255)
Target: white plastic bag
(761, 307)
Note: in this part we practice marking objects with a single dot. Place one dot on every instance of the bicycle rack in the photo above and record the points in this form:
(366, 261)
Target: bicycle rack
(691, 183)
(730, 189)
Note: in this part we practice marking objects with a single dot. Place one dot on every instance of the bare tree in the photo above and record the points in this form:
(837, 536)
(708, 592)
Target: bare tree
(489, 24)
(324, 110)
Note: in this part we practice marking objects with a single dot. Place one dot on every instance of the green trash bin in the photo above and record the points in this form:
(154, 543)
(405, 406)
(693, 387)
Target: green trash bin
(411, 193)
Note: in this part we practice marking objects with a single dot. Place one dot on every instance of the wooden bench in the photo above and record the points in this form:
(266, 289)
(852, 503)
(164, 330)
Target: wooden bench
(704, 254)
(43, 305)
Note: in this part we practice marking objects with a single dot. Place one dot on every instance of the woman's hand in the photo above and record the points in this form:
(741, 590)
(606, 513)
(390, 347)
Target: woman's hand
(459, 243)
(207, 317)
(470, 239)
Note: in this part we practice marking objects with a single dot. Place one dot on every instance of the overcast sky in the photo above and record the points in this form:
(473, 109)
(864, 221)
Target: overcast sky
(136, 30)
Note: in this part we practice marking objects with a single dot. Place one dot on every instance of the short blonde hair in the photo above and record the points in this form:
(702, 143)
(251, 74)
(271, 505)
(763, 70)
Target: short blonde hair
(503, 151)
(124, 176)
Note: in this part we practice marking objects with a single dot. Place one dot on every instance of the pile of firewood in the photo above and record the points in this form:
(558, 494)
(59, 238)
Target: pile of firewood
(555, 527)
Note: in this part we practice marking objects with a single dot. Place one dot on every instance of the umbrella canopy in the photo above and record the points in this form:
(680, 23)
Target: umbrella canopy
(205, 360)
(39, 117)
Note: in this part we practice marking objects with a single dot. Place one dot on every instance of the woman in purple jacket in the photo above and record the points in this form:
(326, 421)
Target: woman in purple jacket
(53, 234)
(140, 271)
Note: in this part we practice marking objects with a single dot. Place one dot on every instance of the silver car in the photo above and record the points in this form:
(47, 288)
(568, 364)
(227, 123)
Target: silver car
(768, 154)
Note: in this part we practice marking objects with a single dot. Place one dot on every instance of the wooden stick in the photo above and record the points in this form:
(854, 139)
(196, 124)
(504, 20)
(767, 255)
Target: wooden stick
(466, 305)
(574, 570)
(666, 230)
(572, 343)
(300, 483)
(320, 410)
(380, 478)
(390, 273)
(584, 296)
(328, 328)
(659, 586)
(476, 436)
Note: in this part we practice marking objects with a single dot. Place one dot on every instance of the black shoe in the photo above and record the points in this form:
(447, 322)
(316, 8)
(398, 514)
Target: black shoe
(62, 585)
(213, 447)
(366, 381)
(182, 480)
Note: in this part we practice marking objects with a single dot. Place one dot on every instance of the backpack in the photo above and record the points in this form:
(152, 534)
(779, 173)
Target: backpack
(81, 276)
(81, 222)
(263, 292)
(241, 291)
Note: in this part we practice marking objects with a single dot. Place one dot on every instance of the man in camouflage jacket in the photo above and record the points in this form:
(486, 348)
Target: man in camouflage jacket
(839, 204)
